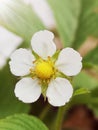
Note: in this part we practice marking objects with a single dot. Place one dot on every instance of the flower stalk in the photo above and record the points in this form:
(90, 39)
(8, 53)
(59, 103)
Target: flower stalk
(60, 116)
(44, 112)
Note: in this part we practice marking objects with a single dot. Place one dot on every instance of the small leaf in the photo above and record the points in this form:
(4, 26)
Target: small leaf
(22, 122)
(81, 91)
(89, 99)
(94, 101)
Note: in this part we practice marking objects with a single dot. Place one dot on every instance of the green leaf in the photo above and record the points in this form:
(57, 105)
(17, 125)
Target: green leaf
(19, 18)
(81, 99)
(95, 110)
(66, 13)
(88, 22)
(94, 101)
(22, 122)
(84, 80)
(9, 104)
(81, 91)
(91, 100)
(92, 57)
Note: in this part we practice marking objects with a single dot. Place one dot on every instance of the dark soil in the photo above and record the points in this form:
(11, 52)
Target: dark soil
(80, 118)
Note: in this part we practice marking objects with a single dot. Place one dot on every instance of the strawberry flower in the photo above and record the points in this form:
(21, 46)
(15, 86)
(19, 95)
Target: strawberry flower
(46, 72)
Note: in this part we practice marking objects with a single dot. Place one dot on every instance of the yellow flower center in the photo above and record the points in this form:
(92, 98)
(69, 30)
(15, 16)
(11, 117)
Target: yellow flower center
(44, 70)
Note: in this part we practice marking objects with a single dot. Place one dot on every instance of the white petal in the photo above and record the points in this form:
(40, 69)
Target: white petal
(8, 42)
(59, 92)
(69, 62)
(21, 62)
(28, 90)
(2, 61)
(42, 43)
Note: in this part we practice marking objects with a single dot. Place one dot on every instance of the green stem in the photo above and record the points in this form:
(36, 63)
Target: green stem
(87, 65)
(90, 66)
(44, 112)
(60, 117)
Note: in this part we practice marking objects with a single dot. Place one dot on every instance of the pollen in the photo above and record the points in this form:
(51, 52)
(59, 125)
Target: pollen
(44, 70)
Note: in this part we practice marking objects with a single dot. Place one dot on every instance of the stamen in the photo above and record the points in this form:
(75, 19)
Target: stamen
(44, 70)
